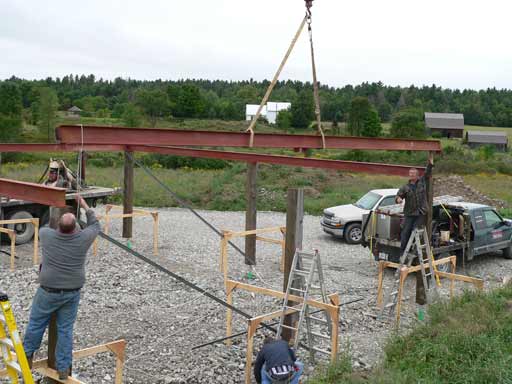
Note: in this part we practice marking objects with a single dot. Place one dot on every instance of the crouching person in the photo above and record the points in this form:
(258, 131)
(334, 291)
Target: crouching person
(276, 363)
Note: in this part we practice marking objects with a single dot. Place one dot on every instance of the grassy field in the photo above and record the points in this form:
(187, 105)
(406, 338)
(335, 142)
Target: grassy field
(467, 340)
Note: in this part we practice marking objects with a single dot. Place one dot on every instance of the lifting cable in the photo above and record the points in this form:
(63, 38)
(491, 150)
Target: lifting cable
(183, 203)
(307, 19)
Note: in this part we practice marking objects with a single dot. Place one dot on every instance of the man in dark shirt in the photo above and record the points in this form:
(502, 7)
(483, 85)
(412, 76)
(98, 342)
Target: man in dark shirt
(416, 205)
(61, 276)
(276, 363)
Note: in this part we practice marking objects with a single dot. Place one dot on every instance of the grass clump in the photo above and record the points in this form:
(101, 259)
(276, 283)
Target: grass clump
(468, 340)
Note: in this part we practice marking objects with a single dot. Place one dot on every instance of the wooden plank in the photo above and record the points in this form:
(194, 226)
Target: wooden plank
(249, 352)
(17, 221)
(251, 195)
(479, 283)
(155, 232)
(269, 240)
(35, 260)
(54, 375)
(128, 192)
(278, 294)
(12, 236)
(273, 315)
(254, 231)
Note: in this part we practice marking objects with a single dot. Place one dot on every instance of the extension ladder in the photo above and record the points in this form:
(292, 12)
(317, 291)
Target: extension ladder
(418, 240)
(13, 353)
(306, 280)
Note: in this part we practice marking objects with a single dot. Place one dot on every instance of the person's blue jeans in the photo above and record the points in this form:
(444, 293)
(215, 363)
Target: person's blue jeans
(265, 378)
(65, 305)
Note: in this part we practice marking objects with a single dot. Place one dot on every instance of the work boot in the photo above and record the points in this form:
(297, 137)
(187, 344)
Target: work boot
(63, 375)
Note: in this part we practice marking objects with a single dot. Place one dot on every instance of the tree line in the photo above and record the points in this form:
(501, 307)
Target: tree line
(363, 106)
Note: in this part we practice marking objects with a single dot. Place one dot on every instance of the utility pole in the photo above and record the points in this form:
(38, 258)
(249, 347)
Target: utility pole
(294, 220)
(251, 195)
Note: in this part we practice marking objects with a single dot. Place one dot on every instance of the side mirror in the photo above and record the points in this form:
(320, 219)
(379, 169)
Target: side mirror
(507, 223)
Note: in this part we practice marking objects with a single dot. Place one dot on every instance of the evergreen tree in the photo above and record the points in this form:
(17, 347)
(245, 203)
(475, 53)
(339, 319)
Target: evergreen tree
(47, 111)
(132, 116)
(303, 110)
(363, 118)
(408, 123)
(11, 108)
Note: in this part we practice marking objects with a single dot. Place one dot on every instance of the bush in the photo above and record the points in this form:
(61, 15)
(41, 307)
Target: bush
(175, 162)
(408, 123)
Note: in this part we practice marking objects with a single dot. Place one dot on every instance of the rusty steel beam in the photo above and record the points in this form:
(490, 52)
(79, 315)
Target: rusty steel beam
(351, 166)
(33, 192)
(72, 134)
(23, 147)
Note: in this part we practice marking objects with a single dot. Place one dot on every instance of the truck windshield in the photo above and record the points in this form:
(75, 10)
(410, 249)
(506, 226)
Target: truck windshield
(368, 201)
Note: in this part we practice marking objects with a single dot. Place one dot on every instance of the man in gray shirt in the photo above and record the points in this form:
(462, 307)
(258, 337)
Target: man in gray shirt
(62, 275)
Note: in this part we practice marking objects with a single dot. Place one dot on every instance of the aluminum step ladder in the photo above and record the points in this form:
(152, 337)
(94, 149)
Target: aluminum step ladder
(306, 280)
(13, 353)
(419, 242)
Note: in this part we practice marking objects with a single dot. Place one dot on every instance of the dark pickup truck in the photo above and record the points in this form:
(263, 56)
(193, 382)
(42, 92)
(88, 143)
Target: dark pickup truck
(458, 228)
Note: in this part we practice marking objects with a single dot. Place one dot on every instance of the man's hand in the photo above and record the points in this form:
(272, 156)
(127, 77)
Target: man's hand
(431, 158)
(398, 200)
(83, 204)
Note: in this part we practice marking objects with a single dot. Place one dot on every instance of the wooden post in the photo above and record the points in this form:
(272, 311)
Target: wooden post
(294, 219)
(229, 314)
(251, 194)
(335, 326)
(379, 286)
(36, 241)
(128, 194)
(83, 164)
(250, 347)
(12, 236)
(155, 233)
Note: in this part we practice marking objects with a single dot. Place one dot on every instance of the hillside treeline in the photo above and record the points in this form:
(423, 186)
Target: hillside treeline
(226, 99)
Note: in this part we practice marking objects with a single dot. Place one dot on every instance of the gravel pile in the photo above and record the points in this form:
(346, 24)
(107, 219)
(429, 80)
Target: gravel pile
(162, 320)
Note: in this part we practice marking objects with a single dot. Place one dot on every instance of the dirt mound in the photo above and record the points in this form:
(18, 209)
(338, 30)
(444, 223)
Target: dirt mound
(454, 185)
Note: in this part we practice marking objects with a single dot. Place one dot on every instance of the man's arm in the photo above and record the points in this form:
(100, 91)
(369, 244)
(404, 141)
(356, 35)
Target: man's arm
(260, 360)
(292, 354)
(93, 225)
(430, 165)
(400, 195)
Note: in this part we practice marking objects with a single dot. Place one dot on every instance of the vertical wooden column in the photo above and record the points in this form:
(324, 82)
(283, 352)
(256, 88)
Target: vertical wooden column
(128, 185)
(294, 219)
(251, 194)
(83, 164)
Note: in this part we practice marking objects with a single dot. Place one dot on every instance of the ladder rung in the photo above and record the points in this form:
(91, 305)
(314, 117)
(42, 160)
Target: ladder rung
(317, 319)
(394, 293)
(321, 335)
(300, 272)
(8, 342)
(297, 290)
(288, 327)
(315, 286)
(320, 350)
(389, 305)
(298, 309)
(307, 255)
(14, 365)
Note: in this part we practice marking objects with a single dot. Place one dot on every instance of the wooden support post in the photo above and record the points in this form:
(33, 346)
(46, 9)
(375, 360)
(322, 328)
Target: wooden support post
(229, 314)
(12, 236)
(404, 271)
(382, 266)
(35, 260)
(294, 219)
(128, 194)
(224, 256)
(83, 164)
(335, 326)
(250, 347)
(155, 232)
(251, 194)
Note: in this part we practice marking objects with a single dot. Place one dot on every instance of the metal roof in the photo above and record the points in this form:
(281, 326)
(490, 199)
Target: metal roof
(444, 120)
(74, 108)
(487, 137)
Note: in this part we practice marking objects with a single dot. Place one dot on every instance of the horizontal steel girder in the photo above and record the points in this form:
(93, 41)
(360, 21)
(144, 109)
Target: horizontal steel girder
(352, 166)
(33, 192)
(21, 147)
(72, 134)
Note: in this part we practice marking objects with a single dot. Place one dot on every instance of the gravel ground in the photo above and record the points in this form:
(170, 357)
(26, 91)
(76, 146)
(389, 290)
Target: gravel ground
(162, 319)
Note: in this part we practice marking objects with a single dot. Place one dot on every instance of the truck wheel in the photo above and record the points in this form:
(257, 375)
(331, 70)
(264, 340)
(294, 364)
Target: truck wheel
(507, 252)
(24, 232)
(353, 233)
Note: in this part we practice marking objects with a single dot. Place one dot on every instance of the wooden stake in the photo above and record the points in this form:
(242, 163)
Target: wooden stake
(249, 353)
(251, 194)
(36, 241)
(155, 232)
(128, 194)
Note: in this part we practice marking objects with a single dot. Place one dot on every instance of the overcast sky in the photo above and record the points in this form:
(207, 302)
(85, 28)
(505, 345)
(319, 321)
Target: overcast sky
(452, 43)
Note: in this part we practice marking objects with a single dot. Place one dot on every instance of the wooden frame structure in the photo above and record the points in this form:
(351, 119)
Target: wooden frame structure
(12, 236)
(227, 236)
(116, 347)
(333, 310)
(405, 271)
(136, 213)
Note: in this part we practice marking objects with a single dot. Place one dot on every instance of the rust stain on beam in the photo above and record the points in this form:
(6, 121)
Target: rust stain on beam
(351, 166)
(33, 192)
(71, 134)
(22, 147)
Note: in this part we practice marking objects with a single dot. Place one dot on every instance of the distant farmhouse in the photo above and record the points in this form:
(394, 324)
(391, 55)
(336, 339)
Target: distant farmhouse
(449, 124)
(499, 139)
(74, 111)
(269, 111)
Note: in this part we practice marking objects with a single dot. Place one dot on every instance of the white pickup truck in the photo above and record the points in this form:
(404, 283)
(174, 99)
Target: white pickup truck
(344, 221)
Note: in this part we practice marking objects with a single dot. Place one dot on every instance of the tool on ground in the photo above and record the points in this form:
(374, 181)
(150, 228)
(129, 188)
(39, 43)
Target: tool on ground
(306, 280)
(420, 242)
(13, 353)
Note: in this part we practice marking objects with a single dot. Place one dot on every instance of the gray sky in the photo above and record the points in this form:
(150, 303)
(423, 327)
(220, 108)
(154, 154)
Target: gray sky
(452, 43)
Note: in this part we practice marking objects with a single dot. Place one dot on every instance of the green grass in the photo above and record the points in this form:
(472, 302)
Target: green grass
(468, 340)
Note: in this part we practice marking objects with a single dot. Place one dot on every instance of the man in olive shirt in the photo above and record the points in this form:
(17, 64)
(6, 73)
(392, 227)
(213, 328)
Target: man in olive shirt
(61, 276)
(416, 205)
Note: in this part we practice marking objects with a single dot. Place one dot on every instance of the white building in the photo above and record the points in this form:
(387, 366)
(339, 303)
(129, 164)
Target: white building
(269, 111)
